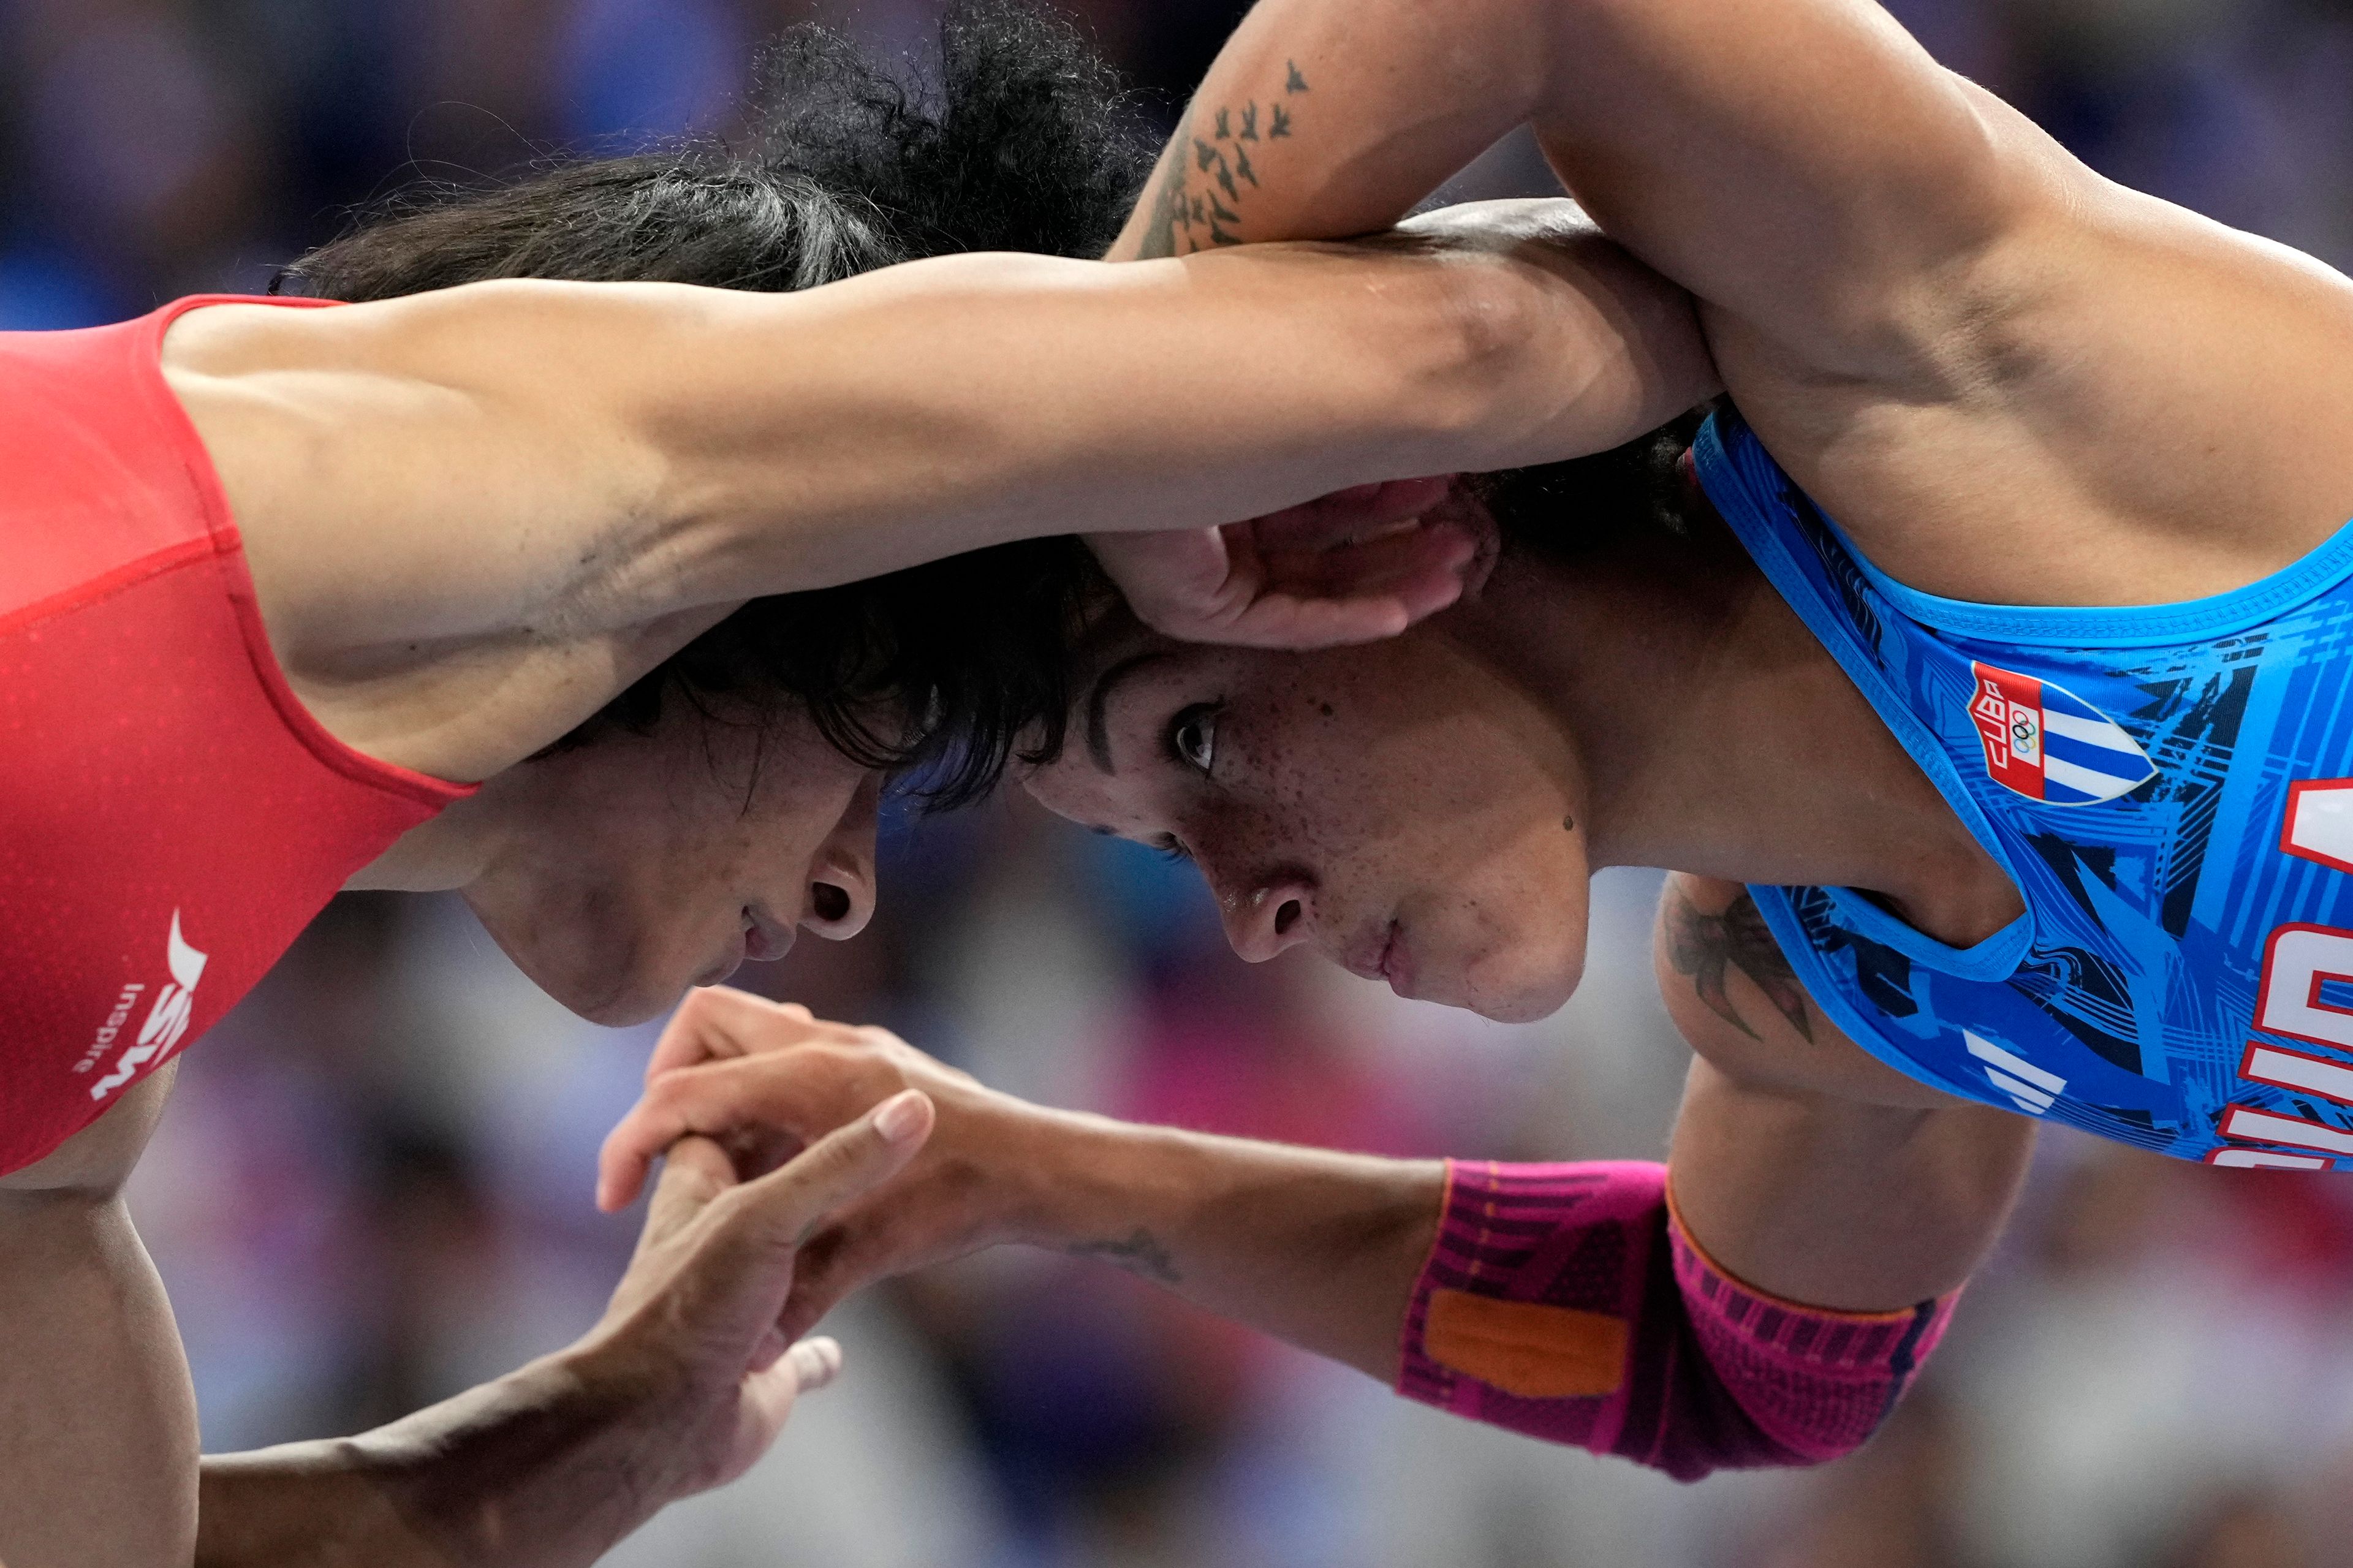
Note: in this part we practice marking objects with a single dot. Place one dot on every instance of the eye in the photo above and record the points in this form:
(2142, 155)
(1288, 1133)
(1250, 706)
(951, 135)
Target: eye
(1169, 847)
(1193, 737)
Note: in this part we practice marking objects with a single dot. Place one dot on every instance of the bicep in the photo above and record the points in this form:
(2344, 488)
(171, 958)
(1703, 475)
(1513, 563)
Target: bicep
(1805, 167)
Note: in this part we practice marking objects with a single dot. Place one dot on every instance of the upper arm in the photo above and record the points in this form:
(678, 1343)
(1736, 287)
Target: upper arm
(564, 460)
(1804, 164)
(1938, 320)
(99, 1445)
(1803, 1166)
(1805, 167)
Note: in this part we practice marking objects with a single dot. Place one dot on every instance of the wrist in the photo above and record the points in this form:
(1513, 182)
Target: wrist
(553, 1453)
(1085, 1178)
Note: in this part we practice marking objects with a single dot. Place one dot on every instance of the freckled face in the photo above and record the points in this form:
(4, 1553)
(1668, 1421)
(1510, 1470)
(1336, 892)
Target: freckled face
(1397, 805)
(639, 866)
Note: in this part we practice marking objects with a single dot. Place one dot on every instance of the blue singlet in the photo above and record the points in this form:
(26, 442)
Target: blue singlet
(2167, 786)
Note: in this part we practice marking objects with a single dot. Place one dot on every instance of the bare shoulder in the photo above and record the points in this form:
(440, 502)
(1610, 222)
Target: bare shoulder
(1734, 995)
(2010, 458)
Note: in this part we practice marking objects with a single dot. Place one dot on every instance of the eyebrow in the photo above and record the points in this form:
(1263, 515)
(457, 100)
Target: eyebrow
(1098, 730)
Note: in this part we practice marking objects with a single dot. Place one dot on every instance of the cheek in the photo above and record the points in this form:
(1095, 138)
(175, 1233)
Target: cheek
(1527, 930)
(616, 900)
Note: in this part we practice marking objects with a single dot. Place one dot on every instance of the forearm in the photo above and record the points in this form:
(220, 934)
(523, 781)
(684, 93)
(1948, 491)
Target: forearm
(1318, 1248)
(956, 403)
(1565, 1302)
(542, 1468)
(1319, 121)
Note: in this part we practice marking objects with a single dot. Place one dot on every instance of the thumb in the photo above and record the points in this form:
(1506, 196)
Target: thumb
(780, 1209)
(815, 1362)
(695, 1171)
(768, 1394)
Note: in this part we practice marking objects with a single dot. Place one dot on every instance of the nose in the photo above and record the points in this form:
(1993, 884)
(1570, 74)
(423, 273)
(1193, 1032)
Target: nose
(839, 898)
(1268, 916)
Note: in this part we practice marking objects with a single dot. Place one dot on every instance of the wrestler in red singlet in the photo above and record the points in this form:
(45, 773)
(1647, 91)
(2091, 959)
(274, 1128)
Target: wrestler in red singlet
(170, 815)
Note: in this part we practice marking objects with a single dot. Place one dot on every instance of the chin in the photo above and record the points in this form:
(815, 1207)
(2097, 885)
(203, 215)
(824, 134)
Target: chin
(1519, 997)
(615, 997)
(634, 1005)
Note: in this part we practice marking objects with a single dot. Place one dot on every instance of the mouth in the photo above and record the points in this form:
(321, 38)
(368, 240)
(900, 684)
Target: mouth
(1383, 955)
(766, 938)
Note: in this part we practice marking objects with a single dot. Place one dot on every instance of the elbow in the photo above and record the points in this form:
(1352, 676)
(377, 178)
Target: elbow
(1478, 326)
(1539, 357)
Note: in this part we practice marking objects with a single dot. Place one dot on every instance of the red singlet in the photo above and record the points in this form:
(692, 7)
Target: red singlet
(170, 815)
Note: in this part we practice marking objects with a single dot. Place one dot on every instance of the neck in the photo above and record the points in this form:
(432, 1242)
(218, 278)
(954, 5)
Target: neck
(1719, 738)
(448, 851)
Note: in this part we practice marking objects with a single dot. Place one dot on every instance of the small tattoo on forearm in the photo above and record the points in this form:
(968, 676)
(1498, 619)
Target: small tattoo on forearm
(1706, 947)
(1139, 1254)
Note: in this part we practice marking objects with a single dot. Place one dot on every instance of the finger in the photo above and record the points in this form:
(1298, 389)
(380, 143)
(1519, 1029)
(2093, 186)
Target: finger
(816, 1363)
(1372, 563)
(739, 1273)
(696, 1171)
(1346, 514)
(720, 1021)
(717, 1100)
(1290, 621)
(769, 1393)
(836, 1263)
(1181, 577)
(782, 1208)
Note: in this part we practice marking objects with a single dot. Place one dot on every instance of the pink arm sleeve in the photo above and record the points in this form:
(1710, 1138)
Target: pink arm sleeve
(1567, 1302)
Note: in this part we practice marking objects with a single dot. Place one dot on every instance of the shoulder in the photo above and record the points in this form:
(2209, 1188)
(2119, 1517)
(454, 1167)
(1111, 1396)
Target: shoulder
(1735, 998)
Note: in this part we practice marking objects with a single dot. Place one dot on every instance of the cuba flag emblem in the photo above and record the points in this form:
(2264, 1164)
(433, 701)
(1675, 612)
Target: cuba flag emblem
(2046, 743)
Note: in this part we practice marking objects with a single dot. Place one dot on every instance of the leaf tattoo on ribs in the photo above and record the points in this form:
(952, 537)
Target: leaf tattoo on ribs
(1706, 947)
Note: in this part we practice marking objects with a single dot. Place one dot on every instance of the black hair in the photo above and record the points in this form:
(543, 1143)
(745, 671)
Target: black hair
(1018, 139)
(1641, 488)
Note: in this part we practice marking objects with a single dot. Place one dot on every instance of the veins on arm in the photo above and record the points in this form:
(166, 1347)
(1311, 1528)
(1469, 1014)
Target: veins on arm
(1705, 948)
(1199, 191)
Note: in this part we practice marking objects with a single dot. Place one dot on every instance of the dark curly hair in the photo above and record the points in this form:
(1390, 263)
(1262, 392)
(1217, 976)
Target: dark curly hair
(1019, 137)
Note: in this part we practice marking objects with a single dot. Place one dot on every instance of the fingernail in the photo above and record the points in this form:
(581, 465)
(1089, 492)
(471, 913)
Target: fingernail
(899, 1116)
(820, 1363)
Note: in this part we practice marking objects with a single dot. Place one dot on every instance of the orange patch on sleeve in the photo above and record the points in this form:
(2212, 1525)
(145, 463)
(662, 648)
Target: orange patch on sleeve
(1526, 1348)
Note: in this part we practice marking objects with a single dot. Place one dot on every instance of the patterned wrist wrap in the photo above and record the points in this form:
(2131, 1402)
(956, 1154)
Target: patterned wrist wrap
(1565, 1302)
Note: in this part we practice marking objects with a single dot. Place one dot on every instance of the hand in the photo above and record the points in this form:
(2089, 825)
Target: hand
(693, 1327)
(1355, 566)
(762, 1076)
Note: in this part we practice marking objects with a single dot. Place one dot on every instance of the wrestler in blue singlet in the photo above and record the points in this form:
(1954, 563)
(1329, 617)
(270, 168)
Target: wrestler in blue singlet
(2170, 787)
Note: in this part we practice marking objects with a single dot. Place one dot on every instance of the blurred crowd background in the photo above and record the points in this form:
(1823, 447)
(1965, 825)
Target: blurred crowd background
(375, 1186)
